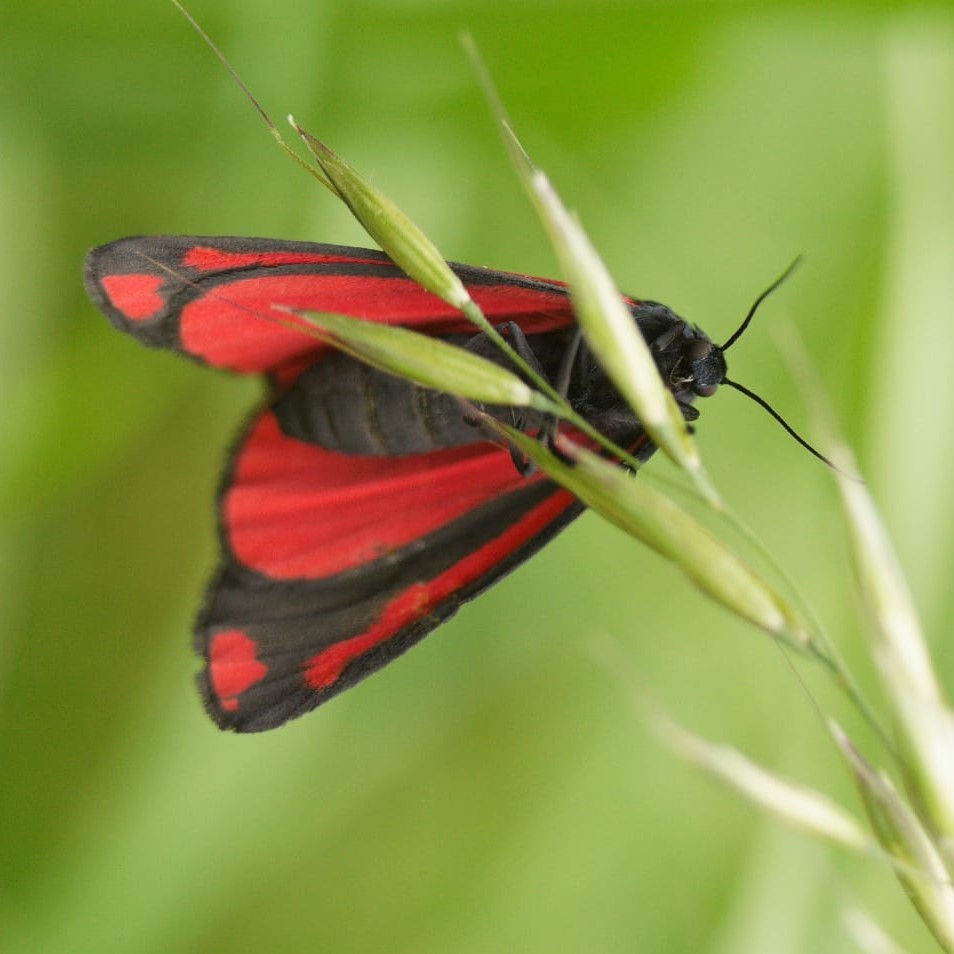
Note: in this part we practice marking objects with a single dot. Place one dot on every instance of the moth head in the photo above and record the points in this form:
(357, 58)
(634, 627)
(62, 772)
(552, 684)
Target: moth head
(706, 367)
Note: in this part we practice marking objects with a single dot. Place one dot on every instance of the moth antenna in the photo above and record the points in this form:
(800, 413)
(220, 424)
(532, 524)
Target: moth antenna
(762, 403)
(758, 301)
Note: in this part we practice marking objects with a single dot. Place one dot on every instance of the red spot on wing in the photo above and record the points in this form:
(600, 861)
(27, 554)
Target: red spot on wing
(209, 259)
(136, 296)
(297, 510)
(233, 666)
(418, 600)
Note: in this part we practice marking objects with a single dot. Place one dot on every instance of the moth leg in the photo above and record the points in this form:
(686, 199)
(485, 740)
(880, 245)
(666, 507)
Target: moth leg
(482, 345)
(689, 413)
(519, 343)
(485, 347)
(551, 426)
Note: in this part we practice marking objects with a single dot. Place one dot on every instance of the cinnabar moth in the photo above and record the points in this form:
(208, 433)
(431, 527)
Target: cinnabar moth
(359, 511)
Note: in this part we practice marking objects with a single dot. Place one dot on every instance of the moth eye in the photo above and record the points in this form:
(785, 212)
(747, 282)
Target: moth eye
(698, 350)
(706, 390)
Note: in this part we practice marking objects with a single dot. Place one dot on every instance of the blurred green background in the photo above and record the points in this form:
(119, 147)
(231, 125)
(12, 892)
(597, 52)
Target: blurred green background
(493, 790)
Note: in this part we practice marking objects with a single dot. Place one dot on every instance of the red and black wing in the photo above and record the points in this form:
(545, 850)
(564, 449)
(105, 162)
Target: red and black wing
(333, 563)
(212, 298)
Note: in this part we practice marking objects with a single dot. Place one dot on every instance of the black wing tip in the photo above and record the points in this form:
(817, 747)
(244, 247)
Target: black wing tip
(113, 258)
(140, 255)
(247, 719)
(94, 268)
